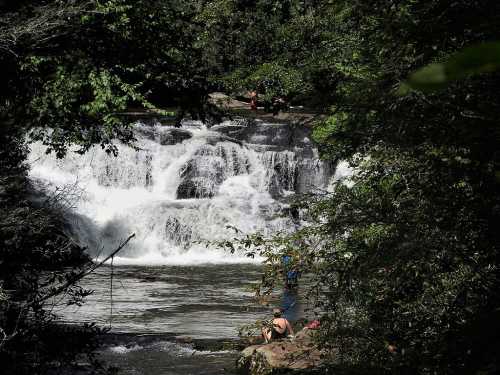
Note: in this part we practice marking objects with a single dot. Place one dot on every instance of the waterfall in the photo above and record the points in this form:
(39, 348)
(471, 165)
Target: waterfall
(180, 187)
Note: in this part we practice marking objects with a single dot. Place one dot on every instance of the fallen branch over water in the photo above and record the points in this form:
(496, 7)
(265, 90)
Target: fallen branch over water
(72, 280)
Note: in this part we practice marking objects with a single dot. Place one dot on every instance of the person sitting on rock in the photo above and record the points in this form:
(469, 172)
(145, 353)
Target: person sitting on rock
(281, 327)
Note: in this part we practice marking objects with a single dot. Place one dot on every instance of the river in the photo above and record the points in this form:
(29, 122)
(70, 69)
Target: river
(160, 314)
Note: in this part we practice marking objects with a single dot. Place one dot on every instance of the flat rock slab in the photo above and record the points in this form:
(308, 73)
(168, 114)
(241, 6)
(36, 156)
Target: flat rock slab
(281, 356)
(302, 116)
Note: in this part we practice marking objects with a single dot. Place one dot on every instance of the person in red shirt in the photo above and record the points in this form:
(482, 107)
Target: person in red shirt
(253, 100)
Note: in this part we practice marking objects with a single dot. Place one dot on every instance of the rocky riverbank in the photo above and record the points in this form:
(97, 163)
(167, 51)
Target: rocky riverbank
(289, 355)
(297, 355)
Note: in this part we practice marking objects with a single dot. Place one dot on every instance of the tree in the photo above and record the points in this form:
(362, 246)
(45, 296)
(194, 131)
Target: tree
(410, 244)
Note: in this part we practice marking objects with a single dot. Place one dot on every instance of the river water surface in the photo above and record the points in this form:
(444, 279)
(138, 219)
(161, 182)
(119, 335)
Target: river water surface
(156, 311)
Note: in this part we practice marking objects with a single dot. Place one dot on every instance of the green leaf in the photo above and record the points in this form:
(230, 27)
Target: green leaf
(482, 58)
(497, 176)
(429, 78)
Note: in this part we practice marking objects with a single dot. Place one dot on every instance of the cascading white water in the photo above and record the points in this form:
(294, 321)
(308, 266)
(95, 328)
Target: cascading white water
(181, 187)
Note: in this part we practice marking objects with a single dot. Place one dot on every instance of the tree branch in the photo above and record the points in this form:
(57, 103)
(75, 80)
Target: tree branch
(71, 281)
(49, 22)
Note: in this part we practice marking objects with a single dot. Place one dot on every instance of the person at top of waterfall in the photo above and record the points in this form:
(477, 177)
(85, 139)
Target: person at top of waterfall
(280, 329)
(253, 100)
(279, 104)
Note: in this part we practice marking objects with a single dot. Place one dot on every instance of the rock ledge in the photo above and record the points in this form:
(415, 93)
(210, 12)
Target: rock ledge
(281, 356)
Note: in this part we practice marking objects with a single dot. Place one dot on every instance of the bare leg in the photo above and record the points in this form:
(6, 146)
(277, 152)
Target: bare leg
(266, 333)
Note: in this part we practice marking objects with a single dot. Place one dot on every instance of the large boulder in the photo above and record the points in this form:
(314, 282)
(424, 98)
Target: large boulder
(281, 356)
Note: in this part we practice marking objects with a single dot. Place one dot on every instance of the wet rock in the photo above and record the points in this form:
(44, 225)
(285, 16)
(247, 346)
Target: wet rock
(281, 356)
(178, 233)
(199, 187)
(234, 128)
(173, 136)
(293, 212)
(269, 134)
(201, 175)
(216, 138)
(274, 188)
(209, 168)
(284, 135)
(145, 131)
(281, 172)
(276, 136)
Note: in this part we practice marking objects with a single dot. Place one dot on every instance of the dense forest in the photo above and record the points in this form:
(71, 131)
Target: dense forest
(405, 255)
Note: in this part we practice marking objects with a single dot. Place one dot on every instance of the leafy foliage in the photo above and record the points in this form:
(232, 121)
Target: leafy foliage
(36, 255)
(404, 254)
(409, 255)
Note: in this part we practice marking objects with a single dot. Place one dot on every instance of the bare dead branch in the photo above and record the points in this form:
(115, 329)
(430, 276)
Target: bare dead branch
(49, 22)
(73, 280)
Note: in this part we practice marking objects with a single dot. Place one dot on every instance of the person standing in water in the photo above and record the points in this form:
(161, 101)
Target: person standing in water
(291, 274)
(280, 329)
